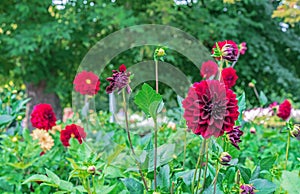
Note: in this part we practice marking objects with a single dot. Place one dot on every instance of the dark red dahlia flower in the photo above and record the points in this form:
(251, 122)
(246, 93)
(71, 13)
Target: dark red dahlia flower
(234, 136)
(284, 110)
(247, 189)
(227, 50)
(229, 77)
(43, 117)
(72, 131)
(86, 83)
(242, 48)
(210, 108)
(119, 80)
(208, 69)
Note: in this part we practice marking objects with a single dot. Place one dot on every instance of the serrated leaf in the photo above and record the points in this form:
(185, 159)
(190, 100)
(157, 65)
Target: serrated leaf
(148, 100)
(133, 186)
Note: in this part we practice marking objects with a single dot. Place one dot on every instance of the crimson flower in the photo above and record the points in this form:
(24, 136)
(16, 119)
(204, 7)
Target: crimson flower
(72, 131)
(227, 50)
(229, 77)
(284, 110)
(43, 117)
(210, 108)
(119, 80)
(86, 83)
(234, 136)
(208, 69)
(242, 48)
(247, 189)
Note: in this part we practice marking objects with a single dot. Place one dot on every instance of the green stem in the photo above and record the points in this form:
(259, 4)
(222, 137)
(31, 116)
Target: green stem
(200, 159)
(88, 186)
(216, 177)
(155, 152)
(184, 148)
(287, 150)
(94, 184)
(156, 75)
(130, 142)
(206, 166)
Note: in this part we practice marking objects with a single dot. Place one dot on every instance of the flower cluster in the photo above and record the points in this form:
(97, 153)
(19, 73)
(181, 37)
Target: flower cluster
(72, 131)
(119, 80)
(210, 108)
(43, 117)
(86, 83)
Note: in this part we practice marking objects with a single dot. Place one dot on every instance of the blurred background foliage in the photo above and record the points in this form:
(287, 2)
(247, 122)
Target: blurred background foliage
(45, 41)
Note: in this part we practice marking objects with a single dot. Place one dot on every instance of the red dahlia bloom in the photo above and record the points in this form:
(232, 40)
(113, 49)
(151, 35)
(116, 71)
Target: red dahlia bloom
(72, 131)
(119, 80)
(43, 117)
(242, 48)
(229, 77)
(86, 83)
(210, 108)
(227, 50)
(284, 110)
(208, 69)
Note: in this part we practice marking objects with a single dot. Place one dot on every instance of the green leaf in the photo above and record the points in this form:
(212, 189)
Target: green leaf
(148, 100)
(4, 119)
(210, 190)
(163, 178)
(118, 150)
(267, 163)
(262, 98)
(290, 181)
(53, 177)
(263, 186)
(245, 173)
(133, 185)
(37, 177)
(164, 155)
(242, 106)
(186, 176)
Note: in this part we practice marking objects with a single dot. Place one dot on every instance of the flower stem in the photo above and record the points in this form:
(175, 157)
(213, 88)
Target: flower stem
(94, 184)
(155, 152)
(184, 149)
(156, 75)
(287, 151)
(205, 170)
(216, 177)
(256, 93)
(129, 140)
(200, 159)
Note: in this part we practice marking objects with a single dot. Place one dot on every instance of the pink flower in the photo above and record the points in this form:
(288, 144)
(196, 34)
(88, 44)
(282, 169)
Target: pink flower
(242, 48)
(284, 110)
(86, 83)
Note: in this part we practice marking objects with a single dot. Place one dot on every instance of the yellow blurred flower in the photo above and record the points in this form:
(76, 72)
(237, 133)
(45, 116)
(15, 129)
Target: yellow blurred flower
(46, 142)
(1, 31)
(11, 83)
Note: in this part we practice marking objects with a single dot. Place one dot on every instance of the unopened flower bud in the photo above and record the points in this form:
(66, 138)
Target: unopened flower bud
(225, 158)
(91, 169)
(296, 131)
(14, 139)
(251, 85)
(252, 130)
(247, 189)
(172, 126)
(160, 52)
(19, 118)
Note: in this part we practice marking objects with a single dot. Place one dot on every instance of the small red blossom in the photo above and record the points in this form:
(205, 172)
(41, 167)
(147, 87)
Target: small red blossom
(208, 69)
(43, 117)
(72, 131)
(122, 68)
(119, 80)
(86, 83)
(210, 108)
(242, 48)
(284, 110)
(229, 77)
(227, 50)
